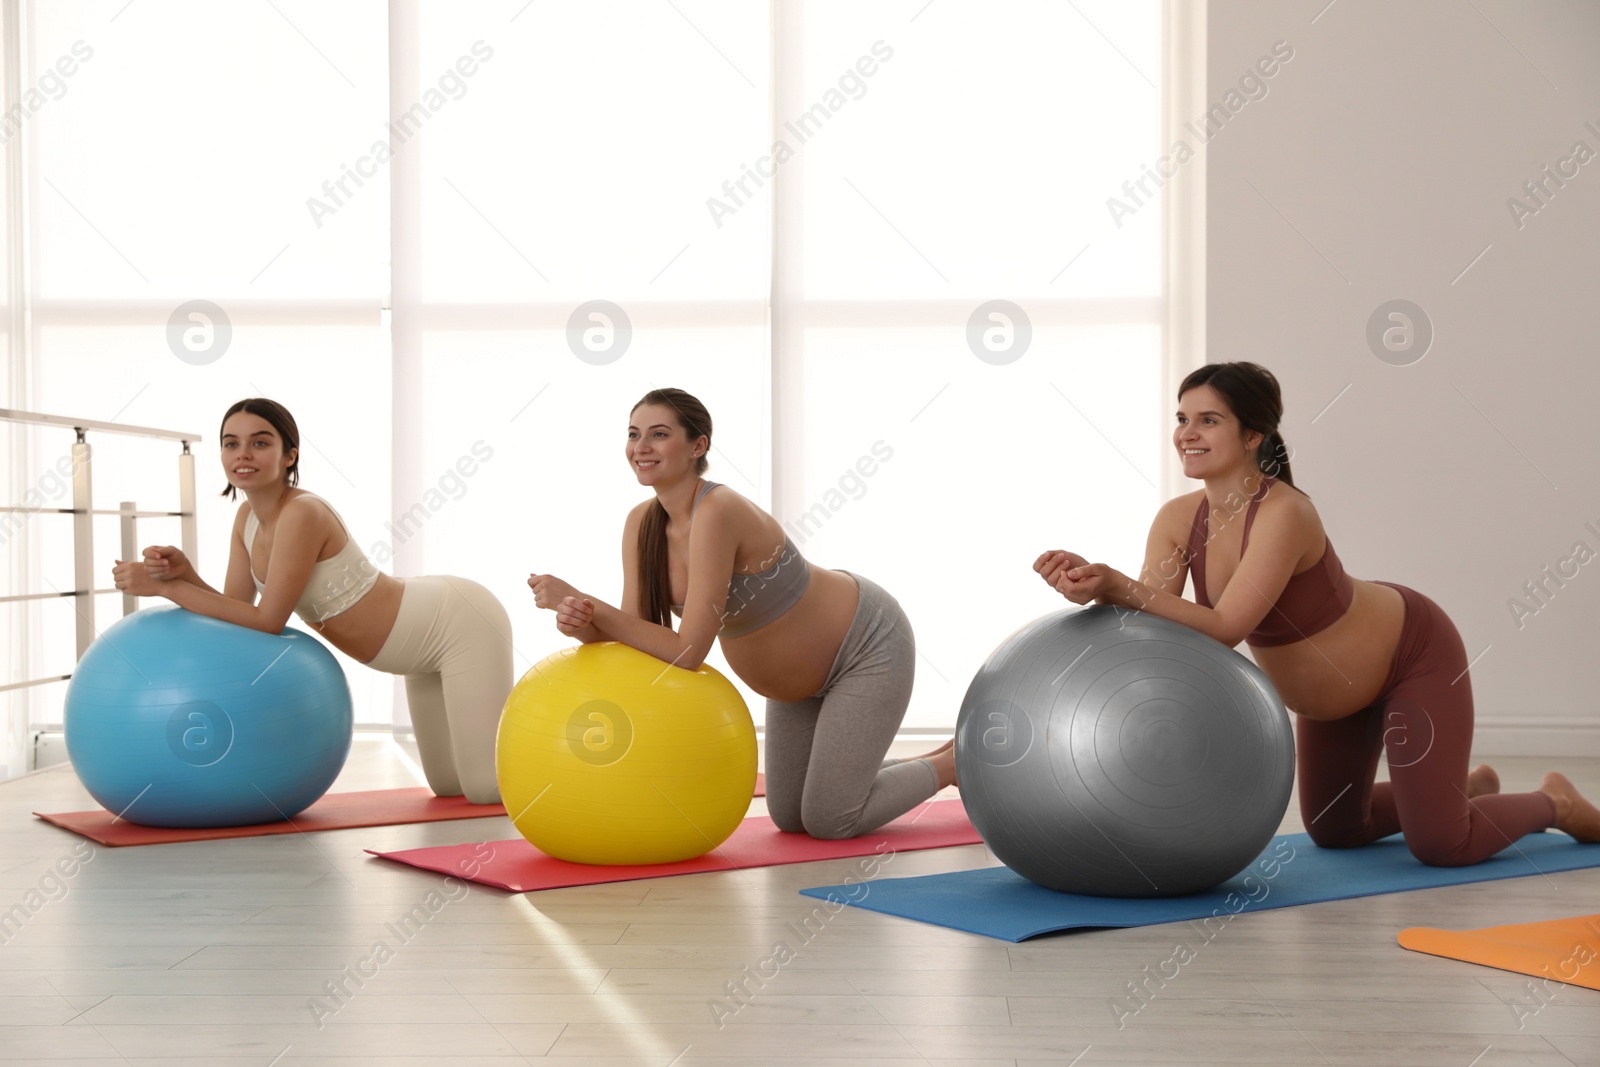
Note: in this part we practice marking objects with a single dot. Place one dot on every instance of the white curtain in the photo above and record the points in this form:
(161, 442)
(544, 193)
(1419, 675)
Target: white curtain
(802, 212)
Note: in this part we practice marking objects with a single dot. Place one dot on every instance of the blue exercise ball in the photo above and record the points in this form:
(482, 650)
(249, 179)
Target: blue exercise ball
(1116, 753)
(178, 719)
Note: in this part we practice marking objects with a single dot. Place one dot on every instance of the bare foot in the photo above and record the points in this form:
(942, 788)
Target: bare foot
(1574, 815)
(946, 747)
(943, 760)
(1482, 781)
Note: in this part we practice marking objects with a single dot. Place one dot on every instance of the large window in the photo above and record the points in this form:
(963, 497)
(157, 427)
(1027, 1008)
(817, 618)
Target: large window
(874, 239)
(172, 267)
(963, 315)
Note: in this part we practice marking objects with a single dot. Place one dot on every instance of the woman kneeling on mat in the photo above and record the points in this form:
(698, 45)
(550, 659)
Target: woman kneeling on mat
(1368, 667)
(830, 650)
(449, 636)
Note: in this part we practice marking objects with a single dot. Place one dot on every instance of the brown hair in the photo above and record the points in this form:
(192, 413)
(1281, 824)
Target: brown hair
(281, 420)
(1253, 394)
(655, 584)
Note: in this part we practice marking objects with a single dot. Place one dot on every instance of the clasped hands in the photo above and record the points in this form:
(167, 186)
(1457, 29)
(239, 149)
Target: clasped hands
(143, 577)
(573, 610)
(1079, 580)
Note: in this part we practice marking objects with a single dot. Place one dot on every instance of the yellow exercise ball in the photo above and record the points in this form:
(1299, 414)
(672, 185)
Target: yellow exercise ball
(607, 755)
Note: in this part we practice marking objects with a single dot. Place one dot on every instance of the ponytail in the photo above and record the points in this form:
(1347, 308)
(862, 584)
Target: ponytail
(655, 582)
(655, 587)
(1272, 457)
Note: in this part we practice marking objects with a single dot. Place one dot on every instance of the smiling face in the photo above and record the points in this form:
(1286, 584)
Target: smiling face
(659, 449)
(252, 452)
(1208, 437)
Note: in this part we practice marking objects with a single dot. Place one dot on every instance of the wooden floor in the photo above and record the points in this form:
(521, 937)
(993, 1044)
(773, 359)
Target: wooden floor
(220, 952)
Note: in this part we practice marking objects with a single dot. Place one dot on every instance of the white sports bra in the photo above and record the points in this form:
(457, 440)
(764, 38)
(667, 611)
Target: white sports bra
(336, 583)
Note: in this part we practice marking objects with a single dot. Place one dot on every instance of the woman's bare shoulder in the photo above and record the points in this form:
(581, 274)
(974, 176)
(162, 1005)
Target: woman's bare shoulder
(1294, 510)
(307, 505)
(738, 518)
(1176, 514)
(1185, 501)
(1285, 497)
(241, 517)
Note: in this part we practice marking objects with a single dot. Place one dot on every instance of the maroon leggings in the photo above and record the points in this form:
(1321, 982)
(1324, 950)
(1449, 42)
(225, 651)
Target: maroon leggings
(1422, 721)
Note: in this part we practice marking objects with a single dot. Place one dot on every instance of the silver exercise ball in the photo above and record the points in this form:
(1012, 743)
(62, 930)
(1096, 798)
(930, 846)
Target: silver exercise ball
(1115, 753)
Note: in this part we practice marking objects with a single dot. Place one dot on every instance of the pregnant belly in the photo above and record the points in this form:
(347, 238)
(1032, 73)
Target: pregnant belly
(790, 659)
(1342, 669)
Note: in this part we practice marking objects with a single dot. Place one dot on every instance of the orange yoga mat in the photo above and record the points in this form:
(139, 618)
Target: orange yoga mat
(1565, 950)
(335, 811)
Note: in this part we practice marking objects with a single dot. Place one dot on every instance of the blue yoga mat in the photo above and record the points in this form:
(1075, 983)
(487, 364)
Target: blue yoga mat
(998, 903)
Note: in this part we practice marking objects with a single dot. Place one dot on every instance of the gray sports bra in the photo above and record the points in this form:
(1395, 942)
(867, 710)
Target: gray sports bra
(755, 600)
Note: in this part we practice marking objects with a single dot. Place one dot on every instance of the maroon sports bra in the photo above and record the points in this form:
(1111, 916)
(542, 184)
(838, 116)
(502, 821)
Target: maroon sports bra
(1313, 600)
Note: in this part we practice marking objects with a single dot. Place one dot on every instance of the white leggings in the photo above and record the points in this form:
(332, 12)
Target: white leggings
(452, 641)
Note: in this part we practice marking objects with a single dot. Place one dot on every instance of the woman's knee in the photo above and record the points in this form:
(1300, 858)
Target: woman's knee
(783, 800)
(784, 810)
(1331, 824)
(1331, 835)
(1435, 852)
(482, 792)
(441, 783)
(830, 822)
(832, 830)
(789, 821)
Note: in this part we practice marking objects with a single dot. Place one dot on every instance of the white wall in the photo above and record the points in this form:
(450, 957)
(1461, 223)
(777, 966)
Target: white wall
(1379, 166)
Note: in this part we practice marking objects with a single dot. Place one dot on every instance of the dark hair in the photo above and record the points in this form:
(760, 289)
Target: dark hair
(281, 420)
(1253, 394)
(655, 584)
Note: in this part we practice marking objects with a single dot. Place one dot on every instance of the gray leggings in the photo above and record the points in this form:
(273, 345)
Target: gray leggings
(826, 774)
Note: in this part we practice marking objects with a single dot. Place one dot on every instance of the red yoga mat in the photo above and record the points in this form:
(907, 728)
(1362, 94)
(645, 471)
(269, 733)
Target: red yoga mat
(335, 811)
(519, 867)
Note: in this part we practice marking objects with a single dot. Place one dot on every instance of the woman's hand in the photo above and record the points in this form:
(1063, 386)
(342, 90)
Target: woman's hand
(1050, 564)
(134, 578)
(573, 614)
(1089, 583)
(549, 591)
(166, 563)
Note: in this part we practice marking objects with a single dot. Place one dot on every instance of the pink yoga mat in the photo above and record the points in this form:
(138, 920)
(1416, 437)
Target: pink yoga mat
(519, 867)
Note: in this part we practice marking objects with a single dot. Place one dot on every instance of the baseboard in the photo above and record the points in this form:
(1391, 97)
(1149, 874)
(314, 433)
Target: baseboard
(1546, 736)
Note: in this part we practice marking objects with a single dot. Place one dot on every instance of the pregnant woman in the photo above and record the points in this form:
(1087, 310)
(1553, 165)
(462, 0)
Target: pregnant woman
(830, 650)
(1368, 667)
(449, 636)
